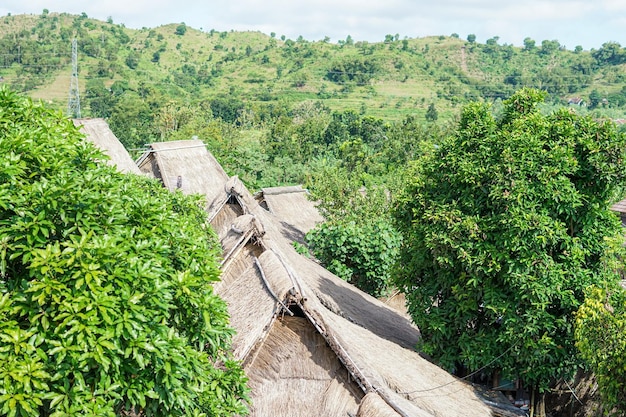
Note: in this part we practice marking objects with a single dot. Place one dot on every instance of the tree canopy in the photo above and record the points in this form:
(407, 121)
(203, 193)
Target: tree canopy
(505, 226)
(106, 303)
(601, 338)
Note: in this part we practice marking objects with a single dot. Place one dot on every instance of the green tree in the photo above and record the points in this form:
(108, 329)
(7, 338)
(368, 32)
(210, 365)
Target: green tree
(595, 99)
(471, 38)
(132, 59)
(529, 44)
(358, 241)
(505, 226)
(361, 252)
(549, 47)
(181, 29)
(100, 99)
(611, 53)
(132, 120)
(601, 338)
(432, 114)
(106, 302)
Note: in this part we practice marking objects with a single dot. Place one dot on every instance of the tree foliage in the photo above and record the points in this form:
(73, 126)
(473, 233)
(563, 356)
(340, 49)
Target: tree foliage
(360, 252)
(357, 70)
(358, 241)
(505, 226)
(601, 338)
(106, 303)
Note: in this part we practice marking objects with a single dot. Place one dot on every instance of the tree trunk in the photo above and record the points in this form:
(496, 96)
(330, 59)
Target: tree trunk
(539, 405)
(538, 408)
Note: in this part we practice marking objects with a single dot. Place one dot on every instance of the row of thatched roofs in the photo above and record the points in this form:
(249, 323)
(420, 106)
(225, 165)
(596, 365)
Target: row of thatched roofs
(310, 343)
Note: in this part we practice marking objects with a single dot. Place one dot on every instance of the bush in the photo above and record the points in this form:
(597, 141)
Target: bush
(106, 303)
(361, 253)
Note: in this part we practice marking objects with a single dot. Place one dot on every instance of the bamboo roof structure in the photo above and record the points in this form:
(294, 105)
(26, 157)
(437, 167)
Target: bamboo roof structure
(310, 343)
(98, 132)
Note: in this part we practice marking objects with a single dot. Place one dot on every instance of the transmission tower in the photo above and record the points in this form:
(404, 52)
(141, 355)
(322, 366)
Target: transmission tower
(73, 105)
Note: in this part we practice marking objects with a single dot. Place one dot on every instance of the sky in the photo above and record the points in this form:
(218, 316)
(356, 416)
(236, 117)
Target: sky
(571, 22)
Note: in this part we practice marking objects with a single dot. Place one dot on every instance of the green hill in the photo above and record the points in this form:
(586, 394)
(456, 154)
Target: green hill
(389, 79)
(280, 111)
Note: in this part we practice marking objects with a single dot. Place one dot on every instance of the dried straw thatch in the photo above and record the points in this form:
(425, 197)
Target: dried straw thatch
(310, 343)
(278, 278)
(374, 406)
(97, 131)
(619, 207)
(185, 165)
(251, 306)
(297, 374)
(292, 206)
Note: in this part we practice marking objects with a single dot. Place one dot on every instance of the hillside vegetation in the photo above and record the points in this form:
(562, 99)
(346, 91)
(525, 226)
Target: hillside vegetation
(390, 79)
(275, 110)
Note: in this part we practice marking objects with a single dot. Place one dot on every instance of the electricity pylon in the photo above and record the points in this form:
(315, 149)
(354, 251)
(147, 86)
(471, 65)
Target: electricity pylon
(73, 105)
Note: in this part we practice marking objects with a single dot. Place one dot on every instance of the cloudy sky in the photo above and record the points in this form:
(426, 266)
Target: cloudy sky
(571, 22)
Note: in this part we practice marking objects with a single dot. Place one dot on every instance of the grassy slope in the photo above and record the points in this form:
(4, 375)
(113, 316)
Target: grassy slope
(255, 67)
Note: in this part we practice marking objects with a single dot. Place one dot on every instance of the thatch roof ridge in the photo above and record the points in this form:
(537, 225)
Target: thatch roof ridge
(99, 133)
(278, 278)
(284, 190)
(354, 325)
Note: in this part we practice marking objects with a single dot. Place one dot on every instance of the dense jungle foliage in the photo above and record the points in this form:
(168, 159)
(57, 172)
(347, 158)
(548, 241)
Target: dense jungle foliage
(507, 226)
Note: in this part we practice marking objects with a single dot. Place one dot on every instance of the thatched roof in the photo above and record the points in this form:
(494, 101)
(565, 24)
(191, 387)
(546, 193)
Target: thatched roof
(310, 343)
(619, 207)
(292, 206)
(98, 132)
(184, 165)
(297, 374)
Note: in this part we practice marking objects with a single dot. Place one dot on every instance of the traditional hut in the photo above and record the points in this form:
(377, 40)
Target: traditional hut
(185, 165)
(98, 132)
(310, 343)
(292, 206)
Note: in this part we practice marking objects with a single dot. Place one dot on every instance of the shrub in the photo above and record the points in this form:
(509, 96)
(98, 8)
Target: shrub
(106, 303)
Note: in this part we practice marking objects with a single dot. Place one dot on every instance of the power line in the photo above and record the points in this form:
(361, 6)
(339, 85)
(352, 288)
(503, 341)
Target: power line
(461, 379)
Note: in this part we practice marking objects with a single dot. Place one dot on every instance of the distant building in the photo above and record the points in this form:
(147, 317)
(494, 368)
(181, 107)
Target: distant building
(576, 101)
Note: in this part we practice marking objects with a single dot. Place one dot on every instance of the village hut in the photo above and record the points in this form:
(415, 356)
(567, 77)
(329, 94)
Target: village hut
(292, 206)
(184, 165)
(310, 343)
(97, 131)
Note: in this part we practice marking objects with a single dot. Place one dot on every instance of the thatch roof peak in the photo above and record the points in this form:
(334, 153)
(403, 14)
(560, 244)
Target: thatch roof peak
(98, 132)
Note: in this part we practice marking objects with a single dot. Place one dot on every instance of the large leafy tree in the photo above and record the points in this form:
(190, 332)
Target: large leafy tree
(106, 303)
(505, 226)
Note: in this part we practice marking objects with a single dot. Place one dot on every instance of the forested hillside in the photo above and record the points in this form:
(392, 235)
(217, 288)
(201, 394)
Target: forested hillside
(391, 79)
(277, 105)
